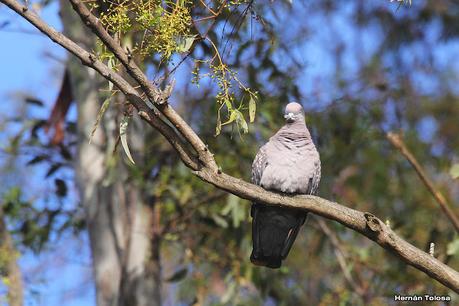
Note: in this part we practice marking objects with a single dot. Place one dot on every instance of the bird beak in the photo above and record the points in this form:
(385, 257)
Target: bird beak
(289, 117)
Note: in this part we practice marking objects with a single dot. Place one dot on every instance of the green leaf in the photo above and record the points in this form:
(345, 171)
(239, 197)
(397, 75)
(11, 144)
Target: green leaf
(252, 108)
(99, 117)
(453, 247)
(123, 136)
(184, 43)
(220, 221)
(240, 120)
(233, 116)
(218, 128)
(454, 171)
(237, 211)
(110, 65)
(230, 292)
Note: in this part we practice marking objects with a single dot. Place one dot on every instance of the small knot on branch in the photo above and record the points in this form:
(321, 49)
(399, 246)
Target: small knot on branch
(373, 223)
(92, 58)
(144, 115)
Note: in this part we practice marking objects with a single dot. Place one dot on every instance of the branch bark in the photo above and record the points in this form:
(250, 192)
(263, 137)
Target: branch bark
(362, 222)
(397, 141)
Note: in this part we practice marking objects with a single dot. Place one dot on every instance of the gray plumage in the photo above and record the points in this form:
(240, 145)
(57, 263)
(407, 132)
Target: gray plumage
(288, 163)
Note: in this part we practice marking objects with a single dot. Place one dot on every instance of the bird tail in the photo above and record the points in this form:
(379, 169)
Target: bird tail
(274, 230)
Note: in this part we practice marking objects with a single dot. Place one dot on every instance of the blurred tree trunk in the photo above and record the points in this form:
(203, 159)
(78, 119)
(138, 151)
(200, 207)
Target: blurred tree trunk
(11, 271)
(119, 222)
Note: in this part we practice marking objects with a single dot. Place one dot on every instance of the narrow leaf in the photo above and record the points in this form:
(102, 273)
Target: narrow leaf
(252, 108)
(241, 121)
(53, 169)
(232, 117)
(178, 275)
(99, 117)
(34, 101)
(37, 159)
(123, 136)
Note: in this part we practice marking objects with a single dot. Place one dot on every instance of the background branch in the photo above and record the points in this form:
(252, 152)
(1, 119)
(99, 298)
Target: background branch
(397, 141)
(340, 256)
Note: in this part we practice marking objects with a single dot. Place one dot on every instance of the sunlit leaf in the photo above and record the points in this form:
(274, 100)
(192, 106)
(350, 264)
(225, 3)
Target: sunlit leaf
(220, 221)
(184, 43)
(252, 108)
(453, 247)
(240, 120)
(123, 137)
(454, 171)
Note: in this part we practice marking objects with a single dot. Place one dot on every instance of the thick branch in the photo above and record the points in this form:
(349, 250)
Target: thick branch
(397, 141)
(364, 223)
(152, 92)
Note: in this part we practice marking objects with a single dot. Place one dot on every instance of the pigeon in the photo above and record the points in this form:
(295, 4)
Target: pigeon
(287, 163)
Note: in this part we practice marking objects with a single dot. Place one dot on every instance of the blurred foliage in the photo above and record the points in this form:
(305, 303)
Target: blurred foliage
(360, 68)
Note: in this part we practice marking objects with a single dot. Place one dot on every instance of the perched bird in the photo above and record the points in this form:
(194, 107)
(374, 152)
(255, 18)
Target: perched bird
(288, 163)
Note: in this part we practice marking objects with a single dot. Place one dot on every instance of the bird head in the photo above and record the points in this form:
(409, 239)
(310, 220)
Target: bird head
(294, 112)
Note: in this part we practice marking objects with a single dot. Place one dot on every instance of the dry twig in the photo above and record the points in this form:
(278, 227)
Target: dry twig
(397, 141)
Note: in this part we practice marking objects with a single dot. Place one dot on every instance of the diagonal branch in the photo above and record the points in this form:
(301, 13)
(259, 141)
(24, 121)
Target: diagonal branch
(340, 255)
(364, 223)
(153, 93)
(397, 141)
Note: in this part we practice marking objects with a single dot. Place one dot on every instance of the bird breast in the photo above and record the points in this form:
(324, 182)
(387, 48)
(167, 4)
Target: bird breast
(291, 171)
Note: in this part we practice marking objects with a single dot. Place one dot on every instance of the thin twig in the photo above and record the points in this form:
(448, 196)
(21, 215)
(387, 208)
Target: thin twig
(397, 141)
(340, 255)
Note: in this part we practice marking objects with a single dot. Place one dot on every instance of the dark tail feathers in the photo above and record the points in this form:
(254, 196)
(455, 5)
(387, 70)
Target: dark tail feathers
(274, 230)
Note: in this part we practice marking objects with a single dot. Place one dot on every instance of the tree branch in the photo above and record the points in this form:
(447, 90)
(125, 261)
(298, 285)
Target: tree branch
(397, 141)
(364, 223)
(153, 93)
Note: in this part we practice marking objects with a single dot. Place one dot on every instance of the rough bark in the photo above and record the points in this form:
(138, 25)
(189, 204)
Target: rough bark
(118, 222)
